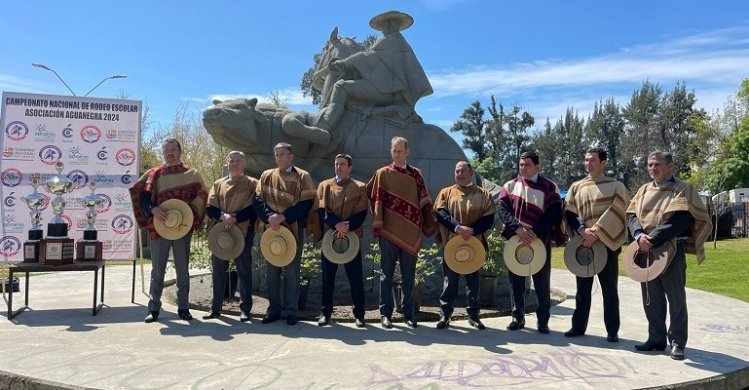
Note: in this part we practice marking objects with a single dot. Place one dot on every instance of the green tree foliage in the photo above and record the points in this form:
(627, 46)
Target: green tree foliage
(508, 133)
(472, 124)
(308, 77)
(731, 170)
(605, 129)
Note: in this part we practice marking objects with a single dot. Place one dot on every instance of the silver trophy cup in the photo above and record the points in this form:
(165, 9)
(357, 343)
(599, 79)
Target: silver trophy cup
(58, 185)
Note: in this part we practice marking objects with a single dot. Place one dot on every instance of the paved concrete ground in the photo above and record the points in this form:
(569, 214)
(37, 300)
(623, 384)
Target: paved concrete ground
(58, 341)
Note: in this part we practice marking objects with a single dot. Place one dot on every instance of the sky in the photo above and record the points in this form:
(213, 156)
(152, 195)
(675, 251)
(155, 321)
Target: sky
(544, 56)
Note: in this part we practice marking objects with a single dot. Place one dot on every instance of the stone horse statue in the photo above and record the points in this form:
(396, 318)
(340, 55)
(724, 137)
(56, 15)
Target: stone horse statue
(367, 119)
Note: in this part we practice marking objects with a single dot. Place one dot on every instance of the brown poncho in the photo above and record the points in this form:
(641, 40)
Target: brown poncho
(601, 205)
(465, 204)
(343, 199)
(281, 190)
(233, 194)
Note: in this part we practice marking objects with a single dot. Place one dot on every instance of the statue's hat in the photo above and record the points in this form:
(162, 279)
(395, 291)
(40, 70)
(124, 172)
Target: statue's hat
(399, 20)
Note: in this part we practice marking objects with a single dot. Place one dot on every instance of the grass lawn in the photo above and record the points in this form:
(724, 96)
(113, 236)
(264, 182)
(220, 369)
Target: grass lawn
(725, 270)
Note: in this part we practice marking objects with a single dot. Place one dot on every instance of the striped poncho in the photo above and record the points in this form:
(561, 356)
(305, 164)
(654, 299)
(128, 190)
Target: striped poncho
(281, 190)
(401, 206)
(653, 204)
(600, 204)
(169, 182)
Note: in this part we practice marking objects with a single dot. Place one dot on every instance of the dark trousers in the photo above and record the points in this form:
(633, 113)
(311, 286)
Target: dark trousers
(450, 292)
(389, 254)
(354, 274)
(159, 257)
(290, 304)
(668, 291)
(244, 271)
(608, 278)
(542, 283)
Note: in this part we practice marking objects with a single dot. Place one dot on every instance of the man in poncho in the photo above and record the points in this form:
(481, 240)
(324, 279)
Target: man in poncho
(667, 209)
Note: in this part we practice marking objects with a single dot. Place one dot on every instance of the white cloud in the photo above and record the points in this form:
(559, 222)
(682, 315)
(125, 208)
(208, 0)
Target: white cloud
(13, 83)
(716, 60)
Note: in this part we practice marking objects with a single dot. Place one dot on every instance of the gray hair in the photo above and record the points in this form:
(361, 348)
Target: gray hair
(665, 156)
(283, 145)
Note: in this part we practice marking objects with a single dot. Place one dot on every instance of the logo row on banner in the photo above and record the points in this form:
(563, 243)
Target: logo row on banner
(97, 140)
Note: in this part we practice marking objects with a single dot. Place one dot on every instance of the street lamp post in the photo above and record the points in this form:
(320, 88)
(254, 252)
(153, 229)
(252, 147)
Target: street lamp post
(117, 76)
(45, 67)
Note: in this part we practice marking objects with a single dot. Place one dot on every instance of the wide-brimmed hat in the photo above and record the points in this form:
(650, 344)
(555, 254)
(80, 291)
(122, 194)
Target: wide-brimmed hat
(278, 246)
(401, 20)
(584, 261)
(178, 220)
(524, 260)
(464, 256)
(340, 250)
(225, 244)
(644, 267)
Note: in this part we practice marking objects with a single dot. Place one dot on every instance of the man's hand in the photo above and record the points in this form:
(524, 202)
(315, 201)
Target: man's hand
(644, 243)
(526, 235)
(341, 229)
(589, 237)
(158, 213)
(228, 220)
(276, 220)
(465, 232)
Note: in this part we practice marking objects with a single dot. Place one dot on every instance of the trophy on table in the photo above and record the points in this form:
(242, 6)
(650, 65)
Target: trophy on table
(90, 248)
(34, 201)
(57, 248)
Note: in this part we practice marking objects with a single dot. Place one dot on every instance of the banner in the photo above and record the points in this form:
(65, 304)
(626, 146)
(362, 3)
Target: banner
(96, 139)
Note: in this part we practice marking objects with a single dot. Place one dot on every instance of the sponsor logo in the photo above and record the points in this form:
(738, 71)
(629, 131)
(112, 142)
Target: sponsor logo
(106, 245)
(76, 157)
(9, 246)
(122, 202)
(79, 178)
(102, 179)
(125, 157)
(102, 154)
(105, 205)
(16, 130)
(10, 200)
(42, 134)
(121, 135)
(122, 224)
(81, 223)
(68, 132)
(50, 154)
(126, 179)
(11, 177)
(90, 134)
(22, 154)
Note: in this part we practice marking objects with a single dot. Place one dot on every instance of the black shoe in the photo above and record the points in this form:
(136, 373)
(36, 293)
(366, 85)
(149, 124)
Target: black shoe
(244, 316)
(211, 315)
(612, 338)
(443, 323)
(573, 333)
(323, 320)
(270, 318)
(291, 319)
(677, 352)
(515, 324)
(151, 317)
(386, 323)
(184, 314)
(649, 346)
(360, 322)
(476, 323)
(411, 324)
(543, 328)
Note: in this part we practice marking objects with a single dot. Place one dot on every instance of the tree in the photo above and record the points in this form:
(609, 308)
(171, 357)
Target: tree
(509, 132)
(308, 76)
(605, 128)
(732, 170)
(641, 128)
(472, 125)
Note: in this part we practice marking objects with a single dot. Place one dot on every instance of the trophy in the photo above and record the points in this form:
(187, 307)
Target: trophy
(57, 248)
(89, 249)
(33, 201)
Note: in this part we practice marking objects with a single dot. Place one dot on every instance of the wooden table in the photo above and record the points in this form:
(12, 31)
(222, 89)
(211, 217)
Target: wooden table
(28, 268)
